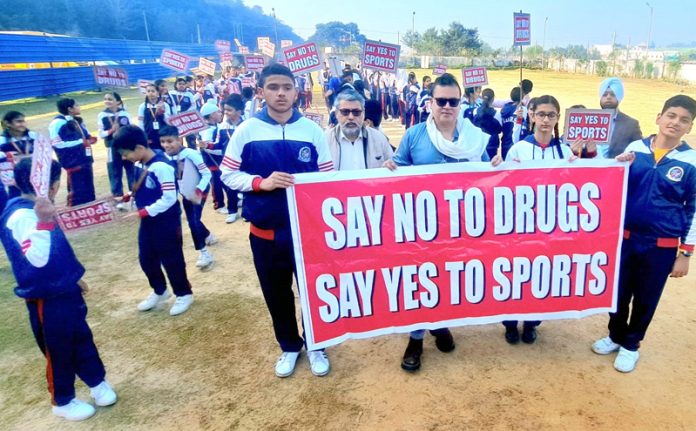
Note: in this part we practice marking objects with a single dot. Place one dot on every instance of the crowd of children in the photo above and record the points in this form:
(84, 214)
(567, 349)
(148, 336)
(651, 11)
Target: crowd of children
(256, 140)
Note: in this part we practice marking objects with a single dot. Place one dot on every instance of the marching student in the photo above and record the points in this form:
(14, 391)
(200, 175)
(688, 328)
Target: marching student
(445, 137)
(163, 90)
(152, 116)
(213, 144)
(193, 205)
(543, 144)
(16, 142)
(410, 96)
(524, 123)
(659, 227)
(159, 237)
(261, 158)
(184, 101)
(3, 192)
(49, 279)
(424, 100)
(73, 145)
(489, 120)
(206, 89)
(470, 101)
(109, 121)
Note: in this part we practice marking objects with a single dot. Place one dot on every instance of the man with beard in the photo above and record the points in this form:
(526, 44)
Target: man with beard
(626, 129)
(445, 137)
(263, 154)
(352, 144)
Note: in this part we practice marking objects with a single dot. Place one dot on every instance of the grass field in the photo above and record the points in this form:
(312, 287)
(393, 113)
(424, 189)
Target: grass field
(211, 368)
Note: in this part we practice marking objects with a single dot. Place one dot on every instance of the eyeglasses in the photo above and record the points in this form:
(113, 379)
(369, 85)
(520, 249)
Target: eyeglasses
(550, 115)
(355, 112)
(442, 101)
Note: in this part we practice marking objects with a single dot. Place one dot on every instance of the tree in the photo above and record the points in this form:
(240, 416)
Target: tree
(337, 34)
(673, 68)
(459, 40)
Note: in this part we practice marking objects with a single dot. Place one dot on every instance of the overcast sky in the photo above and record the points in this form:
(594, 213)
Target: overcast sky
(569, 21)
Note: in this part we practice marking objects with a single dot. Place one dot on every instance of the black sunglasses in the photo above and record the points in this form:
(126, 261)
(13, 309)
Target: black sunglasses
(355, 112)
(441, 102)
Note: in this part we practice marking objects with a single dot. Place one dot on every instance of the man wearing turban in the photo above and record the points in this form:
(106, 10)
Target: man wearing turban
(626, 129)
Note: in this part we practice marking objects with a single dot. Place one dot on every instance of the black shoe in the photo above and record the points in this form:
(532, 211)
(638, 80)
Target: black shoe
(443, 340)
(529, 334)
(512, 335)
(412, 355)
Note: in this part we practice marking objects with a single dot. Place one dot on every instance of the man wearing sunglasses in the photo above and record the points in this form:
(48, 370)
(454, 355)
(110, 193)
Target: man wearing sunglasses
(445, 137)
(352, 144)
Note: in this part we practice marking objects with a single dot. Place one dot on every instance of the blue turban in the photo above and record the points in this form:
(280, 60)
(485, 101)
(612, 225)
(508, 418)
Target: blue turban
(615, 85)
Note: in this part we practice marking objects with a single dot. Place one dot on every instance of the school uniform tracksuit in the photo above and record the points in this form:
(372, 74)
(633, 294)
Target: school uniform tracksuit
(218, 138)
(184, 101)
(70, 142)
(152, 118)
(159, 237)
(11, 150)
(47, 273)
(660, 214)
(194, 211)
(259, 147)
(115, 164)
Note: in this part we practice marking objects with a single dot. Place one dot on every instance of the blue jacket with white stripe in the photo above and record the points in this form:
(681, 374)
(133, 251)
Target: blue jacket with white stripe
(661, 199)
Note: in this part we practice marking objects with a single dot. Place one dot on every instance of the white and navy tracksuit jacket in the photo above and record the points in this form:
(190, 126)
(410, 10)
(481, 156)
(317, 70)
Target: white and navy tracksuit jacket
(11, 150)
(70, 140)
(530, 149)
(260, 146)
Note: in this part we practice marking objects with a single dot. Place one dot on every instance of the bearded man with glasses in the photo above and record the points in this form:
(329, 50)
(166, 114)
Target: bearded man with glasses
(445, 137)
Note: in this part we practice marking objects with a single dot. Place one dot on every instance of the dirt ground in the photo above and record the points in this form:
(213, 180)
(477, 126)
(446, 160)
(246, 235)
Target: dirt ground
(212, 368)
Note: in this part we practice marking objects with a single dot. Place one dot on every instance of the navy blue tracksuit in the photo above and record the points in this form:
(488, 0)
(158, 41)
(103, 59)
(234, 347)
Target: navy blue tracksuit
(47, 273)
(71, 142)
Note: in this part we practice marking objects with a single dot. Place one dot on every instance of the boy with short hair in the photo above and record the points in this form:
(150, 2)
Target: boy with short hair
(159, 237)
(49, 278)
(193, 205)
(660, 227)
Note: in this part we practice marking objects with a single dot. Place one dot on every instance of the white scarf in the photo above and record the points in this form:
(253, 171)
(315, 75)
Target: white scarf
(470, 145)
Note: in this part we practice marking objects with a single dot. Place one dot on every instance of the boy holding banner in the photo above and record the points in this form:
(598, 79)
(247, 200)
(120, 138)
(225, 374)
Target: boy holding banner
(261, 158)
(445, 137)
(660, 227)
(49, 278)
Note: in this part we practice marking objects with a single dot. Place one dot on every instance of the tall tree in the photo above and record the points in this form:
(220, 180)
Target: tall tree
(338, 34)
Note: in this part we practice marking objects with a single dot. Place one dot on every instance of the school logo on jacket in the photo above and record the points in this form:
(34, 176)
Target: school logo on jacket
(305, 154)
(123, 121)
(150, 183)
(675, 174)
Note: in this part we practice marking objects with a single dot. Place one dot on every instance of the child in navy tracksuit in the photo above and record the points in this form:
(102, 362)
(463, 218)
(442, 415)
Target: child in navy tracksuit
(213, 144)
(159, 237)
(49, 279)
(260, 159)
(660, 227)
(109, 121)
(73, 145)
(193, 205)
(152, 115)
(16, 142)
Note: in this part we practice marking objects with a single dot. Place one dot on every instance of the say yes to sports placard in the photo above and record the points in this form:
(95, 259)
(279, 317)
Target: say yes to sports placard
(426, 247)
(380, 56)
(594, 125)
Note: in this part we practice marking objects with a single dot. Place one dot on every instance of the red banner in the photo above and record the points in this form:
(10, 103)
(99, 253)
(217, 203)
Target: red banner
(380, 56)
(474, 77)
(588, 124)
(174, 60)
(106, 76)
(425, 247)
(188, 122)
(522, 28)
(302, 58)
(440, 69)
(222, 45)
(255, 63)
(84, 216)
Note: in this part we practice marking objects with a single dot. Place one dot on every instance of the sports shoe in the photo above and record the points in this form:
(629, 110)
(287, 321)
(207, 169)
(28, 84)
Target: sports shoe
(232, 218)
(204, 259)
(604, 346)
(153, 301)
(181, 305)
(103, 394)
(285, 365)
(211, 240)
(222, 210)
(626, 360)
(75, 410)
(122, 206)
(319, 363)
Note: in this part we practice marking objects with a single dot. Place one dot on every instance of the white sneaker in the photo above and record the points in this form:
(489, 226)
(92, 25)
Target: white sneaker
(604, 346)
(211, 240)
(626, 360)
(204, 259)
(153, 301)
(286, 364)
(75, 410)
(181, 304)
(103, 394)
(319, 363)
(232, 218)
(122, 206)
(222, 210)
